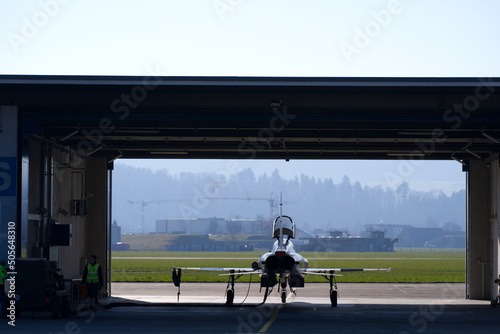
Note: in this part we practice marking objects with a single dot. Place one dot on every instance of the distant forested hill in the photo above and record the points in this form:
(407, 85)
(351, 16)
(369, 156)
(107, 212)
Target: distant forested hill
(313, 203)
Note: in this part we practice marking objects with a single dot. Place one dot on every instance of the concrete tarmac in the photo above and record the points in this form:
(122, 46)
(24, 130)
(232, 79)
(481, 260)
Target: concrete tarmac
(374, 308)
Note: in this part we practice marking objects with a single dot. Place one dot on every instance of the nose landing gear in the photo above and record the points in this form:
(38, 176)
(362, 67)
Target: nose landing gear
(284, 281)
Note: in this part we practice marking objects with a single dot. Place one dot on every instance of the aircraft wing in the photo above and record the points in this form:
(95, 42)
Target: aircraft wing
(236, 270)
(328, 271)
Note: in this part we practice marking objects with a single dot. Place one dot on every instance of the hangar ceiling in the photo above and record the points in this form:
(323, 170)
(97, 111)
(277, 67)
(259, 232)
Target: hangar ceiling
(262, 118)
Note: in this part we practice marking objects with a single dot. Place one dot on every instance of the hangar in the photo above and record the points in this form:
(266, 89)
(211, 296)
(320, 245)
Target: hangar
(59, 137)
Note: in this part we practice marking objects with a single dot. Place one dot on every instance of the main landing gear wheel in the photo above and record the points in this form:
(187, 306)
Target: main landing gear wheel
(283, 297)
(333, 298)
(229, 297)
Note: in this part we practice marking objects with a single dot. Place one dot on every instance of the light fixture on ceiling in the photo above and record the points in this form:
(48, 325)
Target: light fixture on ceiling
(417, 133)
(171, 151)
(138, 131)
(406, 154)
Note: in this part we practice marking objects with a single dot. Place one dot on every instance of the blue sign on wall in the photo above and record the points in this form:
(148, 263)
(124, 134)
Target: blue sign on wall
(7, 176)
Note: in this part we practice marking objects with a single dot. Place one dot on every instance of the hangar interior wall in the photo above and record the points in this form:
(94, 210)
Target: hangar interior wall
(96, 219)
(483, 227)
(494, 221)
(69, 184)
(64, 177)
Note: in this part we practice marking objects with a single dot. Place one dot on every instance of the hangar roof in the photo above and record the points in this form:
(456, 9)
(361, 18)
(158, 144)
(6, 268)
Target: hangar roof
(261, 117)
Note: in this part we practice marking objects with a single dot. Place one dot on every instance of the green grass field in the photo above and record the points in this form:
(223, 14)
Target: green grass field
(408, 267)
(415, 253)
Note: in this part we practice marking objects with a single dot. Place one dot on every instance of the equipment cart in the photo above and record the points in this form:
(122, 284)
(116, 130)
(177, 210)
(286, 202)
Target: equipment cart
(40, 287)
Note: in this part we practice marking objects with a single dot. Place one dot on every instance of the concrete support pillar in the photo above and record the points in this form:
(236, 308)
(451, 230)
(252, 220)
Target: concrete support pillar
(96, 180)
(479, 231)
(35, 200)
(495, 228)
(69, 185)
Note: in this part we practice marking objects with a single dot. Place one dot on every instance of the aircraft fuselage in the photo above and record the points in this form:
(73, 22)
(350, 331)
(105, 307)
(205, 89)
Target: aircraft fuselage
(282, 261)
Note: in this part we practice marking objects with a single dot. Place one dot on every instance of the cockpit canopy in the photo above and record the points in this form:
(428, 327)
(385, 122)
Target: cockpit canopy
(287, 224)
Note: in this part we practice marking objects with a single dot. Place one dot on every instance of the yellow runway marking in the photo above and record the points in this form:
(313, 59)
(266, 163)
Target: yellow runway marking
(270, 322)
(457, 307)
(275, 315)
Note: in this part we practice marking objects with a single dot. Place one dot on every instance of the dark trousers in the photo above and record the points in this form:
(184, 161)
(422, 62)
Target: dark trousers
(92, 290)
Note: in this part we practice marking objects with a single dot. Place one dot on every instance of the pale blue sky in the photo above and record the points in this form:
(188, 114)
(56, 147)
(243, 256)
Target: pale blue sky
(421, 175)
(328, 38)
(251, 37)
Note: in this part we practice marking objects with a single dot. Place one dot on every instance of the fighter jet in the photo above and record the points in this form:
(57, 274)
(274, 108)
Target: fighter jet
(281, 266)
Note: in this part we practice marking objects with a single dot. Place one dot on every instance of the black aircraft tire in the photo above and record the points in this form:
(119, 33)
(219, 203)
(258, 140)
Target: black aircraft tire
(333, 298)
(229, 297)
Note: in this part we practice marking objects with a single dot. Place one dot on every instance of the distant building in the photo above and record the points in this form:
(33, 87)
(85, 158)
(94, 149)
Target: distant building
(116, 233)
(120, 247)
(212, 226)
(338, 234)
(390, 230)
(376, 243)
(202, 243)
(218, 247)
(248, 226)
(451, 239)
(191, 226)
(431, 237)
(318, 233)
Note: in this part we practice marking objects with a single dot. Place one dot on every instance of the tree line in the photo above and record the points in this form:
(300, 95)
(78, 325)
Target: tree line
(311, 202)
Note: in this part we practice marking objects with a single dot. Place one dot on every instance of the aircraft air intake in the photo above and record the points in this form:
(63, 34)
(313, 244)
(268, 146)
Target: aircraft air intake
(279, 264)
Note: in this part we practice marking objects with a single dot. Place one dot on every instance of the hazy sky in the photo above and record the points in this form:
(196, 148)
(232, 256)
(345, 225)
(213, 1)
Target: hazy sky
(421, 175)
(435, 38)
(251, 37)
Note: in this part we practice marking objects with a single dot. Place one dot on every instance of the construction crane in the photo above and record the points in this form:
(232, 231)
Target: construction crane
(213, 185)
(272, 202)
(145, 203)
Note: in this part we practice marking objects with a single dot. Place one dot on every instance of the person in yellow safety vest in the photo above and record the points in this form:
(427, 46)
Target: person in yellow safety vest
(3, 299)
(92, 276)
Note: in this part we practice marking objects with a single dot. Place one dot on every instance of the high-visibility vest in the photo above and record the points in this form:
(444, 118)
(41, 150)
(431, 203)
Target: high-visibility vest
(3, 274)
(92, 275)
